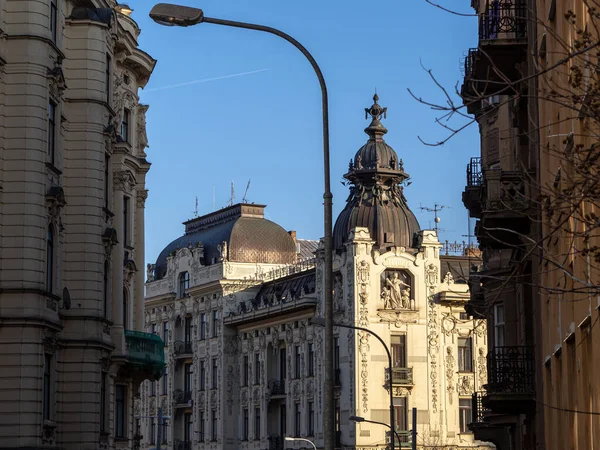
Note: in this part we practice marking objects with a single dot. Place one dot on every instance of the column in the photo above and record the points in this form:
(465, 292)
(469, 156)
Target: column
(138, 299)
(120, 180)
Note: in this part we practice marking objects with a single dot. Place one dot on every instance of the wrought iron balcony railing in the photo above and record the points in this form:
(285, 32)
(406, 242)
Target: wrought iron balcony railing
(478, 410)
(474, 175)
(503, 19)
(511, 370)
(469, 64)
(183, 348)
(400, 375)
(275, 442)
(179, 444)
(146, 354)
(181, 397)
(277, 387)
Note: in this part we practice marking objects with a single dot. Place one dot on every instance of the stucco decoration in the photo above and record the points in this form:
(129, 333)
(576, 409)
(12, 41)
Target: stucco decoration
(338, 293)
(398, 318)
(465, 385)
(256, 395)
(310, 389)
(362, 276)
(214, 401)
(142, 137)
(123, 181)
(448, 278)
(401, 392)
(433, 349)
(140, 198)
(431, 277)
(396, 289)
(450, 360)
(482, 367)
(448, 324)
(296, 390)
(480, 328)
(244, 397)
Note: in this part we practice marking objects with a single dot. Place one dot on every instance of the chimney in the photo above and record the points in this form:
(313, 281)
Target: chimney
(293, 235)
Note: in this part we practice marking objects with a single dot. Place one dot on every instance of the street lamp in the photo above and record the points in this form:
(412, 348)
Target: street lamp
(321, 322)
(359, 419)
(175, 15)
(301, 439)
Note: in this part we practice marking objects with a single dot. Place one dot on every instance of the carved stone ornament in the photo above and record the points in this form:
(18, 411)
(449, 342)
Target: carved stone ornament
(465, 385)
(256, 396)
(55, 200)
(56, 82)
(432, 350)
(450, 373)
(213, 398)
(244, 397)
(142, 137)
(202, 400)
(399, 318)
(448, 324)
(140, 198)
(50, 343)
(401, 392)
(482, 367)
(123, 181)
(310, 389)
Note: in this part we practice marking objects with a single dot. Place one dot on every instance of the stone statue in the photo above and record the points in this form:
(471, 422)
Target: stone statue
(395, 284)
(393, 162)
(359, 162)
(150, 272)
(338, 294)
(387, 298)
(406, 298)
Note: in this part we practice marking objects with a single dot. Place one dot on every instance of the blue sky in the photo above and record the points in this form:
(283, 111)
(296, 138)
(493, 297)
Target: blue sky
(265, 126)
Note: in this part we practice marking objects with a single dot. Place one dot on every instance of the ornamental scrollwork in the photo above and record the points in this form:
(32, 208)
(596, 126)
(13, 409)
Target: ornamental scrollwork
(450, 373)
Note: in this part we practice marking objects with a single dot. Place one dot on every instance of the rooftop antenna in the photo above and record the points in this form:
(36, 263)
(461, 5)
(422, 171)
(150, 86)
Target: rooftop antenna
(196, 210)
(436, 208)
(232, 200)
(245, 199)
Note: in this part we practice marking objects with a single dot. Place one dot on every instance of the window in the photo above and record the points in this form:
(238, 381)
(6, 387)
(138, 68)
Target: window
(51, 130)
(106, 179)
(166, 333)
(463, 316)
(107, 79)
(213, 425)
(184, 283)
(336, 352)
(256, 368)
(245, 425)
(465, 354)
(125, 300)
(311, 360)
(152, 388)
(310, 429)
(187, 381)
(215, 369)
(120, 410)
(257, 423)
(245, 369)
(215, 324)
(49, 259)
(201, 426)
(282, 365)
(465, 412)
(297, 419)
(53, 20)
(202, 375)
(164, 431)
(297, 361)
(188, 427)
(126, 221)
(105, 291)
(165, 381)
(401, 413)
(203, 326)
(125, 125)
(399, 350)
(47, 386)
(103, 402)
(498, 325)
(188, 329)
(152, 431)
(153, 328)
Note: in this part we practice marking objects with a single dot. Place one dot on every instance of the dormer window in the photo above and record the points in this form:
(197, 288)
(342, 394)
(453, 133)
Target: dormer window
(184, 283)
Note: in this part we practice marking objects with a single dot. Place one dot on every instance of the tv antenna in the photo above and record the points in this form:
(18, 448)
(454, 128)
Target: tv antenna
(232, 199)
(196, 209)
(245, 199)
(436, 208)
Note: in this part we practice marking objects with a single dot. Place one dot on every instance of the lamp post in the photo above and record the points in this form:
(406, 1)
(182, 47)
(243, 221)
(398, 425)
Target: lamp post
(175, 15)
(301, 439)
(320, 322)
(359, 419)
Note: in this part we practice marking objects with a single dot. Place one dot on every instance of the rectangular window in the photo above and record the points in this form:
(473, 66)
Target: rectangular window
(297, 361)
(105, 290)
(465, 412)
(465, 354)
(245, 425)
(215, 369)
(187, 381)
(53, 20)
(103, 402)
(401, 413)
(201, 426)
(106, 180)
(120, 410)
(245, 369)
(107, 78)
(51, 130)
(153, 328)
(47, 386)
(184, 283)
(399, 350)
(498, 325)
(257, 423)
(164, 432)
(165, 381)
(311, 419)
(203, 326)
(152, 388)
(216, 324)
(152, 431)
(188, 329)
(282, 364)
(188, 429)
(297, 414)
(256, 368)
(166, 333)
(202, 375)
(213, 425)
(311, 360)
(125, 125)
(126, 221)
(336, 352)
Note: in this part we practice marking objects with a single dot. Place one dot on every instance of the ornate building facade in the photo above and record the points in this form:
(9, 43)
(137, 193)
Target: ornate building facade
(72, 192)
(233, 300)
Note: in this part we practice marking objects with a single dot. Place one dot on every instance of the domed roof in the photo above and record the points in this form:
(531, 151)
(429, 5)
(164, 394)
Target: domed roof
(249, 237)
(376, 198)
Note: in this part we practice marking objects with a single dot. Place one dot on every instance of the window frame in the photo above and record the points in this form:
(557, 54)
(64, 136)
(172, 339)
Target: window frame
(245, 424)
(166, 333)
(465, 413)
(50, 259)
(201, 426)
(297, 419)
(47, 387)
(213, 425)
(399, 350)
(257, 368)
(202, 377)
(120, 411)
(184, 283)
(310, 428)
(257, 424)
(103, 386)
(465, 354)
(53, 26)
(245, 368)
(311, 359)
(108, 78)
(202, 326)
(215, 323)
(499, 325)
(125, 125)
(126, 223)
(52, 109)
(165, 381)
(214, 373)
(297, 361)
(105, 287)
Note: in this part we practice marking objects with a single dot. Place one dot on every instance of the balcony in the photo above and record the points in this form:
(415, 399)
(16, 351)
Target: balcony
(487, 426)
(472, 194)
(146, 356)
(182, 399)
(183, 349)
(402, 439)
(511, 380)
(179, 444)
(275, 442)
(401, 376)
(478, 410)
(277, 388)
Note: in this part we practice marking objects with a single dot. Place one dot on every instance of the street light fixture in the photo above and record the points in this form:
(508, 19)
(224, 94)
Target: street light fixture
(184, 16)
(321, 322)
(301, 439)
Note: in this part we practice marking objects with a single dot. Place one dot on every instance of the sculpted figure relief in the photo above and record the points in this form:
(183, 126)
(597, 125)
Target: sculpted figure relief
(398, 291)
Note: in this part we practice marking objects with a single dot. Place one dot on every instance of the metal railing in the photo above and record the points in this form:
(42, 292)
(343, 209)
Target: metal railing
(147, 351)
(400, 375)
(503, 19)
(478, 410)
(474, 175)
(183, 348)
(459, 248)
(181, 397)
(511, 370)
(469, 64)
(277, 387)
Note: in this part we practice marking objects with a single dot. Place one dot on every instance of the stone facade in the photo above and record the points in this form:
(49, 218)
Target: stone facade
(72, 177)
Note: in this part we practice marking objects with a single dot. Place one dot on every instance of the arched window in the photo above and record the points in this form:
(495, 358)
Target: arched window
(184, 283)
(49, 259)
(125, 301)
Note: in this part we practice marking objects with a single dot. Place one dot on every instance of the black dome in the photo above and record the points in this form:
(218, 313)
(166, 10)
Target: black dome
(376, 198)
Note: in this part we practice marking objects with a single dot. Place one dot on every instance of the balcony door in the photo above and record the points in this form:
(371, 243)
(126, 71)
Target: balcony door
(282, 420)
(187, 427)
(282, 364)
(187, 381)
(399, 350)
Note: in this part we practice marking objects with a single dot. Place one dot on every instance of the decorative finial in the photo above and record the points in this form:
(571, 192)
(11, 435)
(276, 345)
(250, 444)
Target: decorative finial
(375, 111)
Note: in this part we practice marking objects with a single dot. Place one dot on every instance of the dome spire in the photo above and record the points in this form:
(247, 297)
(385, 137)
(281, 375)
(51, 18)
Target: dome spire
(376, 130)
